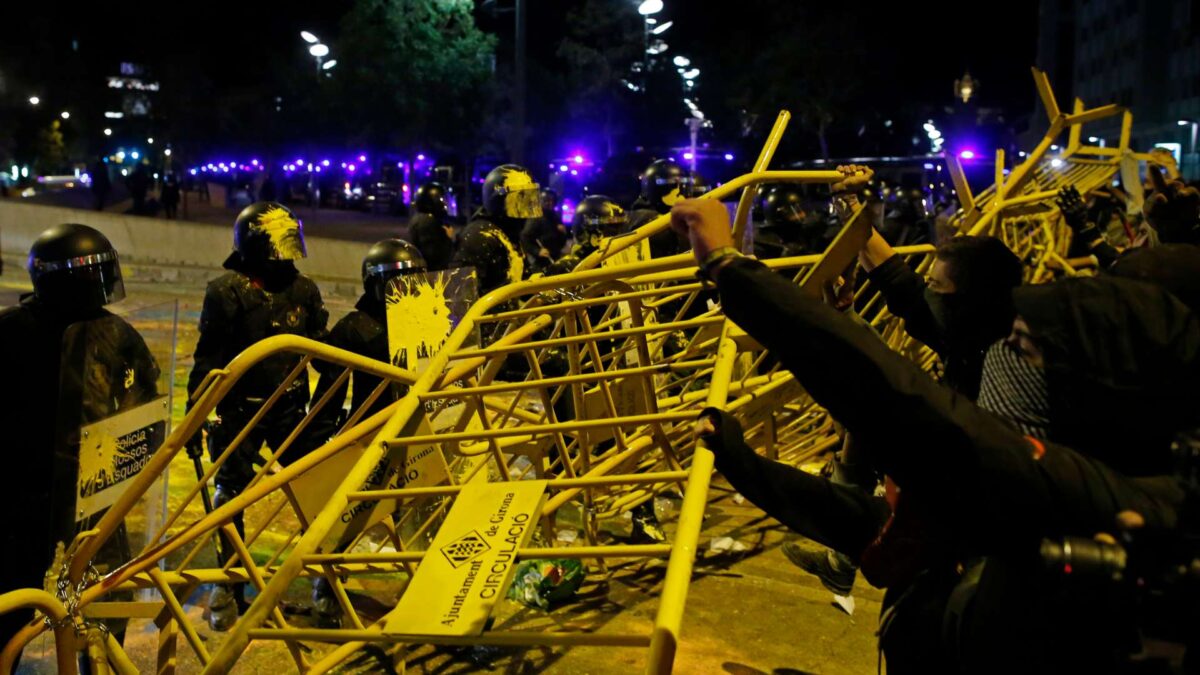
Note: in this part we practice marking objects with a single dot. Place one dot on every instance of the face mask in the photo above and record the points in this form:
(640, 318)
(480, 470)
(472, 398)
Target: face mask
(943, 306)
(1015, 391)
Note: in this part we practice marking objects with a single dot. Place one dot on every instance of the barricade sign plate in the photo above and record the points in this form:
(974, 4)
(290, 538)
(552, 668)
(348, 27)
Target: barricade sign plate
(113, 451)
(404, 466)
(470, 564)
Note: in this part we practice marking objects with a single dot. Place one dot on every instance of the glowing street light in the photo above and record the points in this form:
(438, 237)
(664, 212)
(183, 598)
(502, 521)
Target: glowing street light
(659, 30)
(657, 47)
(167, 152)
(150, 141)
(682, 61)
(65, 115)
(309, 37)
(107, 132)
(33, 100)
(329, 64)
(691, 74)
(649, 7)
(319, 50)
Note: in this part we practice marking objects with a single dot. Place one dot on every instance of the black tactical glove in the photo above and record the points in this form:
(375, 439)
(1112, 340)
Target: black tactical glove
(1074, 213)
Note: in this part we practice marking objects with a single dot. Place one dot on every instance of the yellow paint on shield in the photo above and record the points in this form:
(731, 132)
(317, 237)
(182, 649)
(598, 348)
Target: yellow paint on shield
(418, 319)
(284, 231)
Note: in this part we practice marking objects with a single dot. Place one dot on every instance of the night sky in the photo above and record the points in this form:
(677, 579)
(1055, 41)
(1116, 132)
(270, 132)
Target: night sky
(914, 54)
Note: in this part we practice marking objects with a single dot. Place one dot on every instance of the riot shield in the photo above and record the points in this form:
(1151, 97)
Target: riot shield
(422, 311)
(113, 414)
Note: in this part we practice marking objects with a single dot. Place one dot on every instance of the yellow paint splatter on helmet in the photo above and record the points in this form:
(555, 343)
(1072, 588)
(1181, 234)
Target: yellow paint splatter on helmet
(521, 198)
(672, 197)
(284, 232)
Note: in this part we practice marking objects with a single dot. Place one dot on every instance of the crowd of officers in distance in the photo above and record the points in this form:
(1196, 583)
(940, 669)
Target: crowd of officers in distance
(1056, 408)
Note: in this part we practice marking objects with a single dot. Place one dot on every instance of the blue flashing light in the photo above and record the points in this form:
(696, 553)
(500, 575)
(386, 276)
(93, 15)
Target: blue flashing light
(351, 168)
(324, 162)
(421, 158)
(578, 159)
(729, 157)
(563, 168)
(362, 158)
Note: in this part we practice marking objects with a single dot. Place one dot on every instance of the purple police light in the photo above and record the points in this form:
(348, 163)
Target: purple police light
(299, 162)
(254, 162)
(324, 162)
(343, 165)
(404, 187)
(967, 154)
(574, 172)
(688, 155)
(399, 165)
(729, 157)
(193, 172)
(578, 159)
(318, 168)
(563, 168)
(362, 158)
(421, 158)
(351, 168)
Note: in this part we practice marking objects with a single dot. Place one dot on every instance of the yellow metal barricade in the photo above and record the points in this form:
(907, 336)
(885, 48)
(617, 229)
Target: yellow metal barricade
(588, 386)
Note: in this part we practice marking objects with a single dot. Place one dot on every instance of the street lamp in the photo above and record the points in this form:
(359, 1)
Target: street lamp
(691, 74)
(682, 61)
(319, 50)
(65, 115)
(309, 37)
(649, 7)
(33, 100)
(659, 30)
(107, 132)
(150, 141)
(329, 64)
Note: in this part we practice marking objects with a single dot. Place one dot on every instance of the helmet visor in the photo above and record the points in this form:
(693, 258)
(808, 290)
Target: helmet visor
(523, 203)
(93, 280)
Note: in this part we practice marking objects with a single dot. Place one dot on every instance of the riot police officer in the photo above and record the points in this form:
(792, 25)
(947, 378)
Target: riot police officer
(664, 182)
(784, 222)
(262, 295)
(362, 331)
(428, 227)
(47, 339)
(596, 218)
(543, 238)
(510, 196)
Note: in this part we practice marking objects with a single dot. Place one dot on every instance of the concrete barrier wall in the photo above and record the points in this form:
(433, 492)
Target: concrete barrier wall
(173, 248)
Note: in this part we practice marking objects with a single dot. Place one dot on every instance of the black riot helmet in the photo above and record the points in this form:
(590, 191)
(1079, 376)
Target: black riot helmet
(698, 186)
(387, 259)
(430, 198)
(598, 216)
(268, 231)
(664, 182)
(784, 206)
(509, 191)
(75, 266)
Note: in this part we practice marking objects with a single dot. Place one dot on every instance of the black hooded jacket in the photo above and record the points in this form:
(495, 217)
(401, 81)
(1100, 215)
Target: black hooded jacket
(997, 488)
(961, 347)
(1122, 365)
